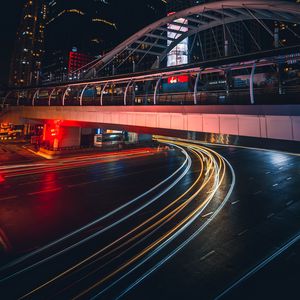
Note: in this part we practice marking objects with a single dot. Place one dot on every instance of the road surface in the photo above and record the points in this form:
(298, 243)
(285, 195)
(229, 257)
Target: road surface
(202, 220)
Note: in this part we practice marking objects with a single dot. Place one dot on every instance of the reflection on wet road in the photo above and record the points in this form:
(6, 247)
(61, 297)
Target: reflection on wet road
(177, 224)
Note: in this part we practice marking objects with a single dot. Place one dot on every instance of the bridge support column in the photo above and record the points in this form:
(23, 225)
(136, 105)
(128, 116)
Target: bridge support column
(252, 84)
(126, 91)
(70, 137)
(196, 87)
(34, 97)
(279, 68)
(133, 138)
(156, 90)
(102, 93)
(81, 94)
(56, 136)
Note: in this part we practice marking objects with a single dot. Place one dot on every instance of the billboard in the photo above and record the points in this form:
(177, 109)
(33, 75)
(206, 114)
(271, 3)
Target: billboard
(179, 54)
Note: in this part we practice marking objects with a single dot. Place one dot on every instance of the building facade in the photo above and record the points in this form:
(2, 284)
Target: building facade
(29, 45)
(94, 28)
(84, 25)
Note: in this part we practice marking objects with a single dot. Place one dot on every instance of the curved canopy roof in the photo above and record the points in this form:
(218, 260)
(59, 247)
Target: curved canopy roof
(154, 41)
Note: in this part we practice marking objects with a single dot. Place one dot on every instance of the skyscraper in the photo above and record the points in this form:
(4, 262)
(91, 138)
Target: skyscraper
(29, 45)
(92, 28)
(84, 27)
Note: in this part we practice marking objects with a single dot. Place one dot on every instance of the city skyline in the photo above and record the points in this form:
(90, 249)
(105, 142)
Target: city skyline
(11, 16)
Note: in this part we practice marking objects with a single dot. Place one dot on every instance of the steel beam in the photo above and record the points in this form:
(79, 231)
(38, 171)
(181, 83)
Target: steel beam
(126, 91)
(196, 86)
(102, 93)
(151, 44)
(156, 90)
(159, 37)
(50, 96)
(34, 96)
(81, 94)
(64, 96)
(195, 20)
(145, 51)
(252, 83)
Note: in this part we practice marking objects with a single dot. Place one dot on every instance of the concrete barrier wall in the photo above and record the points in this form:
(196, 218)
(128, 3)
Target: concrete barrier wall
(284, 127)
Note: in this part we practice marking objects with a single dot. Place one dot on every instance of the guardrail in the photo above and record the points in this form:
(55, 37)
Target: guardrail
(265, 95)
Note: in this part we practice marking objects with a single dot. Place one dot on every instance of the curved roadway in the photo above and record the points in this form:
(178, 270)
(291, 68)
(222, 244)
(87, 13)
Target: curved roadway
(193, 233)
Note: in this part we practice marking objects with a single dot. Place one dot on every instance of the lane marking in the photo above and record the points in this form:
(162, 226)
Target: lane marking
(208, 214)
(257, 193)
(243, 232)
(289, 203)
(275, 184)
(37, 181)
(82, 184)
(207, 255)
(289, 178)
(261, 265)
(269, 216)
(8, 198)
(44, 191)
(70, 176)
(235, 202)
(9, 167)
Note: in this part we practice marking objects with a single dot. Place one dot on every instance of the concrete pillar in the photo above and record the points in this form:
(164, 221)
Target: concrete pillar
(134, 138)
(69, 137)
(145, 138)
(26, 129)
(276, 36)
(252, 99)
(87, 137)
(56, 136)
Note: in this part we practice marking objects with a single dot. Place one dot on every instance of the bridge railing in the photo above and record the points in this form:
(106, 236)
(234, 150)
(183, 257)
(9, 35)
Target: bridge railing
(262, 95)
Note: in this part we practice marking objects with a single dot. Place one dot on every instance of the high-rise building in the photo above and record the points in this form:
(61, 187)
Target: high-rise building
(93, 27)
(84, 25)
(29, 46)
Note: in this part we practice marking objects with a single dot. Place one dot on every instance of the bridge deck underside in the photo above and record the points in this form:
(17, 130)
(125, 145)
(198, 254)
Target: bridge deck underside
(274, 122)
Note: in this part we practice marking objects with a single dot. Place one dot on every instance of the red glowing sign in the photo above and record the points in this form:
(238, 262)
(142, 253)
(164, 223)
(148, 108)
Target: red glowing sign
(78, 60)
(178, 79)
(52, 131)
(171, 13)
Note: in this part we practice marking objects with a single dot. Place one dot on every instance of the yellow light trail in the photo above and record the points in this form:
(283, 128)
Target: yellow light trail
(165, 236)
(213, 169)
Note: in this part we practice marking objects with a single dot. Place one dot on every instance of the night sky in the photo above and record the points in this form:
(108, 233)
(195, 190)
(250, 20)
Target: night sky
(10, 18)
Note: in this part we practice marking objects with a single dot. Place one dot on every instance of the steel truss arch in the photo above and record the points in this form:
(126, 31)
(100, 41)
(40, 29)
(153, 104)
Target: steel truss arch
(200, 18)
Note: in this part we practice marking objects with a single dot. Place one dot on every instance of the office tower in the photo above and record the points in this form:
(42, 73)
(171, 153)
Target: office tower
(81, 28)
(29, 45)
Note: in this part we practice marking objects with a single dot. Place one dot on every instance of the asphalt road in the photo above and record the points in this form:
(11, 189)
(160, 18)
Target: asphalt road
(195, 241)
(48, 199)
(262, 215)
(13, 152)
